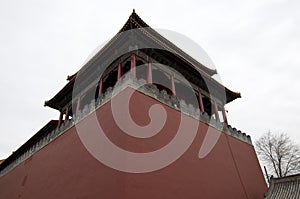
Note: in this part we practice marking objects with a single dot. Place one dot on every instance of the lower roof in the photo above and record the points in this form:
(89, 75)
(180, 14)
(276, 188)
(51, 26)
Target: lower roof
(284, 188)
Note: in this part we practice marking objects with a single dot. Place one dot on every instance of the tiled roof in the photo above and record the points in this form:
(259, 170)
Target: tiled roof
(284, 188)
(64, 96)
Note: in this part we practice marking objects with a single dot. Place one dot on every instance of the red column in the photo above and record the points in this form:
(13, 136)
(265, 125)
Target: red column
(133, 64)
(216, 111)
(149, 75)
(172, 85)
(100, 91)
(200, 102)
(224, 115)
(78, 105)
(67, 114)
(60, 118)
(120, 71)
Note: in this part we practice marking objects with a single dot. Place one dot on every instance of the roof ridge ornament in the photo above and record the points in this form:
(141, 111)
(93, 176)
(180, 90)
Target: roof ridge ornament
(133, 22)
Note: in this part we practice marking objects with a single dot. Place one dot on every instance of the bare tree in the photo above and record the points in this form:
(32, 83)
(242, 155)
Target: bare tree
(279, 153)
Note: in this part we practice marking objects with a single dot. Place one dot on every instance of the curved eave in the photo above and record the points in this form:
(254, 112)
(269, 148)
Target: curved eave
(62, 97)
(70, 77)
(231, 95)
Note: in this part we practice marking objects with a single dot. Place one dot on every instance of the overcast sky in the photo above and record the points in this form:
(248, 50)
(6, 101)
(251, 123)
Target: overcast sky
(255, 46)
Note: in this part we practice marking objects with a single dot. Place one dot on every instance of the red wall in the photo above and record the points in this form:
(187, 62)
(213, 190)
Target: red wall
(65, 169)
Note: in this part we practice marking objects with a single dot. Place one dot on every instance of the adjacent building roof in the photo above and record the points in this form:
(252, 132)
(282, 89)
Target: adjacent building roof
(284, 188)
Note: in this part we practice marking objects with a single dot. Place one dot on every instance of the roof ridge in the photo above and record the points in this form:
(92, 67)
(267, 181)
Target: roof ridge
(134, 21)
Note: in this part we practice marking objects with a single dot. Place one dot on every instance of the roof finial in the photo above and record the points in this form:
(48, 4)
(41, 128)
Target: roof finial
(133, 11)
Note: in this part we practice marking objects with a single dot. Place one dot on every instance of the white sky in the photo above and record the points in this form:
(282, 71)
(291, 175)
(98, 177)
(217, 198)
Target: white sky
(255, 46)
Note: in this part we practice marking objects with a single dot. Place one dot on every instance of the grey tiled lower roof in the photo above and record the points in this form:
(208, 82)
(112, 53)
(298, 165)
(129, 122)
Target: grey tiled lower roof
(284, 188)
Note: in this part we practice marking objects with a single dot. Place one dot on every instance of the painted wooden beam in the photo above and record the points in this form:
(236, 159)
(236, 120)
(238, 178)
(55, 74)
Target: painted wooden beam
(101, 88)
(120, 71)
(60, 119)
(200, 102)
(172, 85)
(215, 105)
(78, 105)
(133, 64)
(224, 115)
(67, 114)
(149, 74)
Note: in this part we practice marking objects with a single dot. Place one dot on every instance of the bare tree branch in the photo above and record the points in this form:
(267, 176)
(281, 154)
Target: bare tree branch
(279, 153)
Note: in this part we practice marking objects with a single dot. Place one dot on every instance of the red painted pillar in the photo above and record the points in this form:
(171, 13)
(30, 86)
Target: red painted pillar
(173, 85)
(133, 64)
(149, 75)
(60, 118)
(216, 111)
(78, 105)
(200, 102)
(67, 114)
(224, 115)
(120, 71)
(100, 91)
